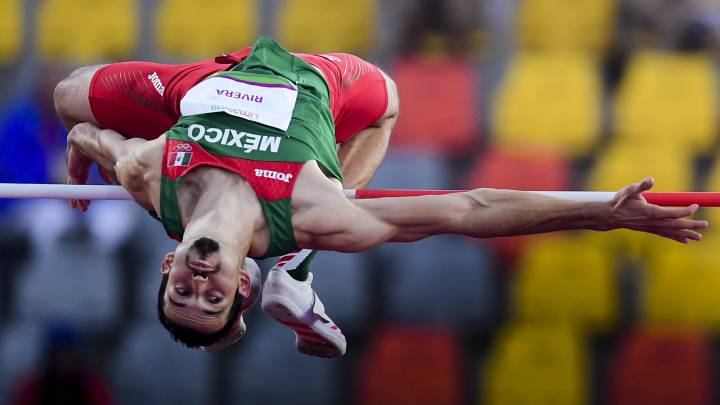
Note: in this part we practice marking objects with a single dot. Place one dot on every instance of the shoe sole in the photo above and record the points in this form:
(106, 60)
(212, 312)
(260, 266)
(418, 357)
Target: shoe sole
(309, 338)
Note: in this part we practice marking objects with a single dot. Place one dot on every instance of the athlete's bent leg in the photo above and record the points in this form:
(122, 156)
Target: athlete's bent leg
(72, 103)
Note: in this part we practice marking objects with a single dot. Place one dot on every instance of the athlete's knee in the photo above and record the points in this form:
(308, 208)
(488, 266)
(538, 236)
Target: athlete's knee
(70, 94)
(393, 108)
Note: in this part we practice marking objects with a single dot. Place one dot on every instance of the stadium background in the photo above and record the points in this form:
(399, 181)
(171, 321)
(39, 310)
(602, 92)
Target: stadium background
(527, 94)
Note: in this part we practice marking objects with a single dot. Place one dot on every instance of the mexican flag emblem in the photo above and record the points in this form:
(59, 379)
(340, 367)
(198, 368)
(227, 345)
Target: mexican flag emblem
(179, 159)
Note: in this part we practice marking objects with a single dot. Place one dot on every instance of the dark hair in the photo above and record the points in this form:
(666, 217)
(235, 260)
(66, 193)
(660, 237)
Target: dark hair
(190, 337)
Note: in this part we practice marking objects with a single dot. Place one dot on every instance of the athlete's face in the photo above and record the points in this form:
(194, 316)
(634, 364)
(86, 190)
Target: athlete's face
(203, 279)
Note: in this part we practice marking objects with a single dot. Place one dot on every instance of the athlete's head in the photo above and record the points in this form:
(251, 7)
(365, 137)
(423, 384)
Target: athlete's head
(201, 293)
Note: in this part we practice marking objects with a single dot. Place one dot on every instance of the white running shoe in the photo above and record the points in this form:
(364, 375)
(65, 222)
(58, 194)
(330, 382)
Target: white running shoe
(237, 332)
(294, 304)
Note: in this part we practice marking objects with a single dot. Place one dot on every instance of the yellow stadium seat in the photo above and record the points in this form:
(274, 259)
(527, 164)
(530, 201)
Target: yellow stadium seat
(622, 164)
(713, 214)
(669, 99)
(193, 29)
(536, 364)
(550, 100)
(576, 24)
(83, 31)
(567, 279)
(681, 287)
(327, 25)
(11, 17)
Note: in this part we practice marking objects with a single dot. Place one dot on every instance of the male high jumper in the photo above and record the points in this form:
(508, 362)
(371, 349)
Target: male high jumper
(250, 170)
(143, 100)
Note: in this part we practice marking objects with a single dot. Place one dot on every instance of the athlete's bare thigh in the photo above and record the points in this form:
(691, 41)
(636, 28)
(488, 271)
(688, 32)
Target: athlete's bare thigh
(71, 97)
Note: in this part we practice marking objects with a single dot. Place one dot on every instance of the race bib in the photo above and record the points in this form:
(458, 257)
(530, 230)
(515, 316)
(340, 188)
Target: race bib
(264, 99)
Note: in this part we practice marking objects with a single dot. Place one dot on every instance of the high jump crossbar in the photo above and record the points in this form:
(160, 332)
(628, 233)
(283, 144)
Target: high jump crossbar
(102, 192)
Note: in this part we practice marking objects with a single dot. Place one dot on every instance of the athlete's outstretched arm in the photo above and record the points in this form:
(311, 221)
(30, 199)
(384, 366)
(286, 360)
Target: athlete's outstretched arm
(127, 161)
(485, 213)
(357, 225)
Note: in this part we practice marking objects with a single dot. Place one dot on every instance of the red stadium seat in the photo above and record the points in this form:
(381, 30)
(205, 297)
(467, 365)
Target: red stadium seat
(516, 168)
(439, 104)
(662, 368)
(412, 366)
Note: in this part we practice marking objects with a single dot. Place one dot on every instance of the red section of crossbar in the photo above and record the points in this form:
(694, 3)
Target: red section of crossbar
(703, 199)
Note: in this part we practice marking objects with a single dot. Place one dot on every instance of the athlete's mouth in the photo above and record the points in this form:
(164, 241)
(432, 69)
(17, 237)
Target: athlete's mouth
(201, 265)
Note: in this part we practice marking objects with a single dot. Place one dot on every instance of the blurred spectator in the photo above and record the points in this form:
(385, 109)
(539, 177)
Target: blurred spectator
(32, 139)
(458, 20)
(62, 378)
(687, 25)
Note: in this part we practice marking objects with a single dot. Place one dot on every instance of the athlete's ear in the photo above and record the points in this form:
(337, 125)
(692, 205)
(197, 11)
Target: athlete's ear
(249, 274)
(244, 284)
(167, 263)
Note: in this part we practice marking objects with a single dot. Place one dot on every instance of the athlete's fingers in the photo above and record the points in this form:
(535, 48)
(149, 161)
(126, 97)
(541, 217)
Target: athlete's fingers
(683, 223)
(672, 236)
(633, 191)
(674, 213)
(678, 235)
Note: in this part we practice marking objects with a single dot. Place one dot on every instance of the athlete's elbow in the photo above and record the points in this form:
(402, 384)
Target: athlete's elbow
(129, 173)
(362, 240)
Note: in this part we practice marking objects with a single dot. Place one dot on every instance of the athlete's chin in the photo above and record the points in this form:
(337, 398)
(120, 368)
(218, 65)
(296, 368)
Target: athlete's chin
(205, 246)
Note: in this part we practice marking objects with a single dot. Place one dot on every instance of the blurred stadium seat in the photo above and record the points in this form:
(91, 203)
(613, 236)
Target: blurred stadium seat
(662, 368)
(668, 99)
(441, 280)
(148, 358)
(11, 29)
(83, 31)
(681, 287)
(440, 104)
(202, 29)
(561, 24)
(71, 282)
(536, 364)
(411, 170)
(516, 168)
(316, 26)
(622, 164)
(570, 280)
(20, 349)
(549, 100)
(412, 366)
(257, 379)
(713, 184)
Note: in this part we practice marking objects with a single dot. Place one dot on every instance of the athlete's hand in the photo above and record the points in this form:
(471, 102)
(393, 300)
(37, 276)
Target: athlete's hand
(630, 210)
(78, 170)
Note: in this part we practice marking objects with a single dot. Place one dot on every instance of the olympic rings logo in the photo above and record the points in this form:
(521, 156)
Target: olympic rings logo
(183, 147)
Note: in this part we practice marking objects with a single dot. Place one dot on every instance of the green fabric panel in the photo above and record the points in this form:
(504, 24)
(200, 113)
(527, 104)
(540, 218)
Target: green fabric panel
(312, 119)
(278, 215)
(310, 136)
(303, 270)
(169, 209)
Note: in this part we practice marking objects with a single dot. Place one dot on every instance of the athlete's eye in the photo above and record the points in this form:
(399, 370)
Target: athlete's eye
(182, 291)
(214, 299)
